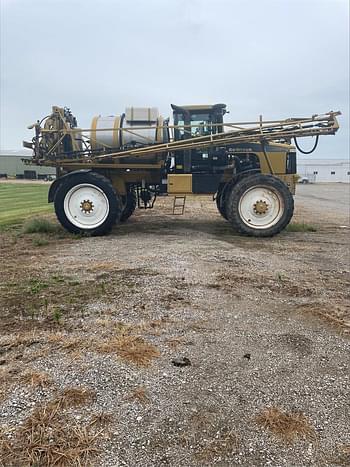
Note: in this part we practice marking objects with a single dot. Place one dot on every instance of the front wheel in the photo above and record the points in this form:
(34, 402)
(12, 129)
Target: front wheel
(86, 203)
(260, 206)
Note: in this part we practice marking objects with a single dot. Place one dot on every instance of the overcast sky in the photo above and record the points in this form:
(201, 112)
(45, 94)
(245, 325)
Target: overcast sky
(279, 58)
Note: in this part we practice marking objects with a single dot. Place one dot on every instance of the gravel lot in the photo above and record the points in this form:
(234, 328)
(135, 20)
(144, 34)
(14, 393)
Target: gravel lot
(264, 323)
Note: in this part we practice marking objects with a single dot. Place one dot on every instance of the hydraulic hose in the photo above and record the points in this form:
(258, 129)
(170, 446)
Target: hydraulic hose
(306, 152)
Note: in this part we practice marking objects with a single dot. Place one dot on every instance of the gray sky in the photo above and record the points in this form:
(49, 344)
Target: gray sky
(279, 58)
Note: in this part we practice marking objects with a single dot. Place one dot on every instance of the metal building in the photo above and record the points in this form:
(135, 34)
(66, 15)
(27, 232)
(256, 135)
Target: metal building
(12, 165)
(325, 170)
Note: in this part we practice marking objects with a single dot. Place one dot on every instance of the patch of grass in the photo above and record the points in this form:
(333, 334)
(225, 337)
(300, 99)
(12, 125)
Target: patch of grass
(73, 397)
(139, 394)
(133, 349)
(37, 295)
(209, 436)
(9, 375)
(224, 443)
(50, 436)
(37, 285)
(39, 241)
(174, 342)
(39, 225)
(285, 425)
(104, 266)
(19, 201)
(279, 276)
(337, 315)
(37, 379)
(57, 316)
(101, 419)
(342, 456)
(300, 227)
(24, 339)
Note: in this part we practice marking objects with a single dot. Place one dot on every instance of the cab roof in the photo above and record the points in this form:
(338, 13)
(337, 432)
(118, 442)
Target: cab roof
(198, 107)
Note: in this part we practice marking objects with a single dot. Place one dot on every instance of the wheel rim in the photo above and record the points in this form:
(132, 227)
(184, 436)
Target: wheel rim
(86, 206)
(261, 207)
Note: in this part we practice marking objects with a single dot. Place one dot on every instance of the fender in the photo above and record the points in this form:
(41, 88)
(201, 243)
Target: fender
(56, 184)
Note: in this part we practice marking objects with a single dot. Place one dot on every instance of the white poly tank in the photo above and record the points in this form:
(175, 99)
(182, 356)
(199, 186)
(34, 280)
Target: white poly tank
(139, 125)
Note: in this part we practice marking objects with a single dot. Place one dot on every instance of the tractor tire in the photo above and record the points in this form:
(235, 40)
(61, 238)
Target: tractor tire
(221, 200)
(129, 202)
(259, 205)
(88, 204)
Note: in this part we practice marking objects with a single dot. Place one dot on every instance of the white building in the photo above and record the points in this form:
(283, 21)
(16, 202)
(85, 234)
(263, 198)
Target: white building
(12, 165)
(325, 170)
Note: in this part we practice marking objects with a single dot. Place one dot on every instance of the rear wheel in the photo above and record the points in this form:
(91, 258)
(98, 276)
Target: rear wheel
(129, 202)
(87, 203)
(221, 201)
(260, 205)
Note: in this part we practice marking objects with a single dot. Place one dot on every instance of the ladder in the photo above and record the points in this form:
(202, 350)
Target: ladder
(179, 207)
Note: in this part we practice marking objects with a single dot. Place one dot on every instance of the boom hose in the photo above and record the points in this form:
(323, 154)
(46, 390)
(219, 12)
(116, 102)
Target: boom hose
(306, 152)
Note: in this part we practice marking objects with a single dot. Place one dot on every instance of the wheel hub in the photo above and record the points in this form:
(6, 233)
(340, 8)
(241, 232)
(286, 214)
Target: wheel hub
(261, 207)
(86, 206)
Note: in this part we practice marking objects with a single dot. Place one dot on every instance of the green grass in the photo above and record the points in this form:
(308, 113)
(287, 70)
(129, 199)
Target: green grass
(39, 225)
(19, 201)
(301, 227)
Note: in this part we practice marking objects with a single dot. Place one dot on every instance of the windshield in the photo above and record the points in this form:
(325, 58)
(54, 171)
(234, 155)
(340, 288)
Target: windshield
(200, 124)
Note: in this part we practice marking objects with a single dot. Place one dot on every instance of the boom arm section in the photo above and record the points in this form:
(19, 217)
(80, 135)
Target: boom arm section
(59, 140)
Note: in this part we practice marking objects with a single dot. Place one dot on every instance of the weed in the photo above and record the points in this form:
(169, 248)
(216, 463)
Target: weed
(39, 225)
(131, 348)
(337, 315)
(104, 266)
(49, 437)
(73, 397)
(224, 443)
(73, 283)
(46, 304)
(9, 375)
(57, 316)
(36, 286)
(26, 339)
(140, 395)
(279, 277)
(32, 311)
(301, 227)
(210, 438)
(174, 342)
(285, 425)
(39, 241)
(342, 456)
(58, 278)
(37, 379)
(101, 419)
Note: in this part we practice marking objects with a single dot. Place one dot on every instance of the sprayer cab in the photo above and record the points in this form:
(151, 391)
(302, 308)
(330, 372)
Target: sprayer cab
(197, 120)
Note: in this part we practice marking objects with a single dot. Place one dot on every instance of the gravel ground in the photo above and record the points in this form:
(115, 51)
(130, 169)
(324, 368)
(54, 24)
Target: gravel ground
(264, 323)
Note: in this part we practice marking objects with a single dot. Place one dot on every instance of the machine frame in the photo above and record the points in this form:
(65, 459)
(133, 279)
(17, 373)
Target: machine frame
(206, 157)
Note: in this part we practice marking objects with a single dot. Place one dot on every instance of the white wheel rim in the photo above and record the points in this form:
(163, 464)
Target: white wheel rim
(261, 207)
(86, 206)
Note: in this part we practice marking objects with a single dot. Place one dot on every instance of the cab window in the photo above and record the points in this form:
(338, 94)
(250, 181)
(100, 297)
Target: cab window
(200, 124)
